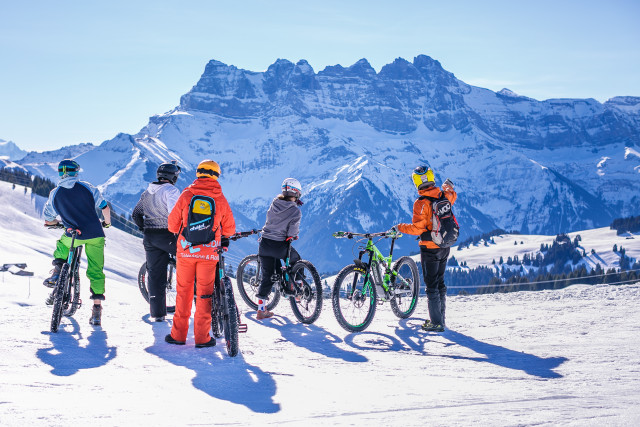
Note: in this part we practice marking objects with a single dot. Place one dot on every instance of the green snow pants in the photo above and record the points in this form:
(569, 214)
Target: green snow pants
(94, 250)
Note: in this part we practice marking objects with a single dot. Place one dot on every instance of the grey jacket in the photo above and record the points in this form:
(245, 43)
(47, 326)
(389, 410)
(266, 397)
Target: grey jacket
(154, 206)
(283, 220)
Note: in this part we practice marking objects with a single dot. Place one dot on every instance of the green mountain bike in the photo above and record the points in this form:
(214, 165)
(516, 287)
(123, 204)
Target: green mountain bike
(361, 286)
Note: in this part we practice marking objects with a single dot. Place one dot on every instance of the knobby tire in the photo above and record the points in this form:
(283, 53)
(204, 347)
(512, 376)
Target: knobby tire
(308, 309)
(248, 278)
(231, 318)
(58, 297)
(403, 307)
(356, 313)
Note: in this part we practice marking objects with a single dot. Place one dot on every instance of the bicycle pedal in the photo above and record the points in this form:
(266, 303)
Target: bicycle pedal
(242, 328)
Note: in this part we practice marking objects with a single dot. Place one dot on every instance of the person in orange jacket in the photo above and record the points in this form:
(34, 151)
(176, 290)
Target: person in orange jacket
(198, 262)
(432, 257)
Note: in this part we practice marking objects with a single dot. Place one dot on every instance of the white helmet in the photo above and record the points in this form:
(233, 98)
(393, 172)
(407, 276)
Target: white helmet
(291, 187)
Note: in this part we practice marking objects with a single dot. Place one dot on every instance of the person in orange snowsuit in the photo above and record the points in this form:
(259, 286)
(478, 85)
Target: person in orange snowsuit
(198, 262)
(432, 257)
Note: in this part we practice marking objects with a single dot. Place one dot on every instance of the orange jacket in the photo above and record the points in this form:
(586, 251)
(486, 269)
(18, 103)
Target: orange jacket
(423, 214)
(225, 223)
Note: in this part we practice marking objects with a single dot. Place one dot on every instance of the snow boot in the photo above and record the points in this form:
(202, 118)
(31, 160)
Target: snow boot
(50, 282)
(96, 315)
(210, 343)
(170, 340)
(264, 314)
(432, 327)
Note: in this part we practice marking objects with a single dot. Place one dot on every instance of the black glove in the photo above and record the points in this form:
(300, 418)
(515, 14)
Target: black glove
(224, 242)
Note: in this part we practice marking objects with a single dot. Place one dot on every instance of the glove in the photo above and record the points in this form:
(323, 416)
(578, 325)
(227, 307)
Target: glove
(448, 183)
(224, 243)
(106, 224)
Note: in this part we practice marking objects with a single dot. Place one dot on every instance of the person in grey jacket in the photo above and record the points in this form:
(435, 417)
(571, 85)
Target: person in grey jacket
(280, 229)
(150, 215)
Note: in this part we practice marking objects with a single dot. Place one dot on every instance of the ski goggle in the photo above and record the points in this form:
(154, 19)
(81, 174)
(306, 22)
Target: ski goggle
(421, 170)
(68, 169)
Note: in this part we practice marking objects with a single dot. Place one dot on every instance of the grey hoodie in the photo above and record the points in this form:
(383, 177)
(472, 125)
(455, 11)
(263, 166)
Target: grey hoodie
(283, 220)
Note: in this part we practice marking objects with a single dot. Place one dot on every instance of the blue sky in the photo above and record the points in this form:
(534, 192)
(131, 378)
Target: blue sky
(82, 71)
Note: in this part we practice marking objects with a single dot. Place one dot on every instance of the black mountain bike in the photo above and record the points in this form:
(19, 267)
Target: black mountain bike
(66, 293)
(225, 316)
(299, 282)
(171, 291)
(361, 286)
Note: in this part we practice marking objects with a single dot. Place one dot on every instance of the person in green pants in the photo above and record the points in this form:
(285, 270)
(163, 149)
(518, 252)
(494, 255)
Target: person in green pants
(75, 202)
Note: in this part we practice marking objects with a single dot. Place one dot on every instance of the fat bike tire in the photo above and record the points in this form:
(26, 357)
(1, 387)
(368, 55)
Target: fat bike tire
(71, 307)
(308, 305)
(230, 319)
(248, 279)
(407, 280)
(354, 308)
(170, 294)
(58, 298)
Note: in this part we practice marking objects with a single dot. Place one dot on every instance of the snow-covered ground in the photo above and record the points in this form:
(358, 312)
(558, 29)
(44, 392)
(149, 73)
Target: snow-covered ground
(545, 358)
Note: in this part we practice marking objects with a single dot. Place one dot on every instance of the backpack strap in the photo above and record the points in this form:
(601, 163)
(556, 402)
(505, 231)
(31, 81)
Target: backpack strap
(426, 235)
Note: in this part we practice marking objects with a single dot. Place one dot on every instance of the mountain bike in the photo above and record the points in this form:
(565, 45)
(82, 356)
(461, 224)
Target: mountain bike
(299, 282)
(171, 291)
(361, 286)
(66, 293)
(225, 316)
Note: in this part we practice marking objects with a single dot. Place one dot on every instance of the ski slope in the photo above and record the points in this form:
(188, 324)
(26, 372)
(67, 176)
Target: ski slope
(526, 358)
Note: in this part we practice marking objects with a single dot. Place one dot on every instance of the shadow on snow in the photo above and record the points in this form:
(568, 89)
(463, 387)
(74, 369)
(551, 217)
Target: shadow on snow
(411, 338)
(311, 337)
(220, 376)
(532, 365)
(67, 357)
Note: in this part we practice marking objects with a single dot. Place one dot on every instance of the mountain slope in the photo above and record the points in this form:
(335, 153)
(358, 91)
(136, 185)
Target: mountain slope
(352, 137)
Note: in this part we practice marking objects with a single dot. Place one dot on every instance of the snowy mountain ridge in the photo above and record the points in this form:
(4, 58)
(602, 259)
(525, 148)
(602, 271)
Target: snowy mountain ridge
(352, 136)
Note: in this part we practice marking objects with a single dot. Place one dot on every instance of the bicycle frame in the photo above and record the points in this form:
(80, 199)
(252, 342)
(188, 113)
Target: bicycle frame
(376, 258)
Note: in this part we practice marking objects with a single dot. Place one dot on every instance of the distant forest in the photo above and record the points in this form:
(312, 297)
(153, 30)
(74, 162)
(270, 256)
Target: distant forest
(556, 268)
(624, 225)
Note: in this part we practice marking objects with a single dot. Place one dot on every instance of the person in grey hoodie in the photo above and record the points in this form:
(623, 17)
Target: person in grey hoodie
(280, 229)
(150, 215)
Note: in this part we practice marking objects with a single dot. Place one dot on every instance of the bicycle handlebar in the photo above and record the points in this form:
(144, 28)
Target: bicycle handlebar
(349, 234)
(54, 226)
(241, 234)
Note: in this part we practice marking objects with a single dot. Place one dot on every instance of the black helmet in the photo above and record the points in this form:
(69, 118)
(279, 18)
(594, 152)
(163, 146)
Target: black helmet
(169, 171)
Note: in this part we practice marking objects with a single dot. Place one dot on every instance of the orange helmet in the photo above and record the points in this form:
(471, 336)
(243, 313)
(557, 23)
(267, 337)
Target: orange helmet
(208, 169)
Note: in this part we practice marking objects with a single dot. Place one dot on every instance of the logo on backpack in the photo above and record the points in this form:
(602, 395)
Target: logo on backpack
(445, 230)
(199, 229)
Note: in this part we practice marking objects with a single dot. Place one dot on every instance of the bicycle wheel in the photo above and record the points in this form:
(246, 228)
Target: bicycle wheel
(230, 318)
(309, 306)
(73, 303)
(171, 292)
(354, 301)
(248, 278)
(407, 287)
(217, 315)
(58, 297)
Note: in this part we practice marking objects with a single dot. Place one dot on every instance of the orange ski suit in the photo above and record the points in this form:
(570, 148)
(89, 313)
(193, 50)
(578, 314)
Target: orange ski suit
(423, 212)
(197, 263)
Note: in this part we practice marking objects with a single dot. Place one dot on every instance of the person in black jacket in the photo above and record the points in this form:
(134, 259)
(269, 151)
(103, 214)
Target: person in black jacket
(150, 215)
